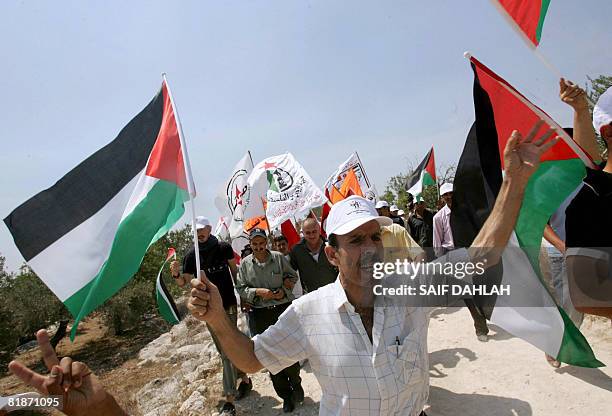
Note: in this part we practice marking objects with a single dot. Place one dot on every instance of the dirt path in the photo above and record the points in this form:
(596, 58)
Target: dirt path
(505, 376)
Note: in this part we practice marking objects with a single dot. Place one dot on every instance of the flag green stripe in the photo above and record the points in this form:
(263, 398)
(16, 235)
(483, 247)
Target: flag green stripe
(575, 349)
(150, 219)
(165, 310)
(545, 192)
(427, 179)
(543, 11)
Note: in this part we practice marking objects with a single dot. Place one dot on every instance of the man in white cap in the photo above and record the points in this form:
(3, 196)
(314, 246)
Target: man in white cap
(370, 361)
(382, 208)
(217, 260)
(588, 228)
(395, 216)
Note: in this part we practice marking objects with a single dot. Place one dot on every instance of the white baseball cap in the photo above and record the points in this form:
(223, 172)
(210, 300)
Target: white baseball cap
(393, 208)
(446, 188)
(202, 222)
(382, 204)
(351, 213)
(602, 113)
(400, 212)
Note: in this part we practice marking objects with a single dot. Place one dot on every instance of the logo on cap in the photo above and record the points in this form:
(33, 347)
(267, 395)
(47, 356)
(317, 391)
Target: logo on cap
(355, 204)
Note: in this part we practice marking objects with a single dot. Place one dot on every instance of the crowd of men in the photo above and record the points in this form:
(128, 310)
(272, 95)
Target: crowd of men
(311, 305)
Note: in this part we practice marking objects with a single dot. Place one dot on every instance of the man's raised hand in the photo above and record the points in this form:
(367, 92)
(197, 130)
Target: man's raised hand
(205, 301)
(572, 95)
(83, 394)
(522, 155)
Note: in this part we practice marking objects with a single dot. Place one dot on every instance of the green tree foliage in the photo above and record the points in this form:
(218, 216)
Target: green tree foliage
(396, 193)
(27, 304)
(8, 333)
(127, 307)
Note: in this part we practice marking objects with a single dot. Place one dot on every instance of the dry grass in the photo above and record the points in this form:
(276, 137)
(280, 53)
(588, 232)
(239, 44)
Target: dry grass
(113, 358)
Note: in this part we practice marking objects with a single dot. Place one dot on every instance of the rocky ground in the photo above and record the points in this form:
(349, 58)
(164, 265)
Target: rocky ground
(504, 376)
(179, 373)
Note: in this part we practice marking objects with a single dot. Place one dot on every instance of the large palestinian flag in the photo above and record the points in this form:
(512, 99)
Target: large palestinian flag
(529, 312)
(525, 16)
(86, 236)
(423, 175)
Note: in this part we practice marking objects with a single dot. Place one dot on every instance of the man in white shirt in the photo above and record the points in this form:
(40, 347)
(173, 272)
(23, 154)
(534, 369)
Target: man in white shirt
(368, 360)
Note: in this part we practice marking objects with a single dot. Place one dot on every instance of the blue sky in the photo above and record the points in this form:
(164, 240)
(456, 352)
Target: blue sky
(317, 78)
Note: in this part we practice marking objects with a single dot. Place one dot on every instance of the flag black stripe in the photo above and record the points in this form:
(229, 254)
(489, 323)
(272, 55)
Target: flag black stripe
(83, 191)
(416, 174)
(477, 182)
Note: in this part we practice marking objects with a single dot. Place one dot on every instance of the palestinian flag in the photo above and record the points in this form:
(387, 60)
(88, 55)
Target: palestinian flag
(525, 16)
(530, 312)
(86, 235)
(423, 175)
(165, 304)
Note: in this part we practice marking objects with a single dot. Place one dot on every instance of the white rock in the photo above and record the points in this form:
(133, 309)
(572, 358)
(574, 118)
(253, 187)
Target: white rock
(194, 405)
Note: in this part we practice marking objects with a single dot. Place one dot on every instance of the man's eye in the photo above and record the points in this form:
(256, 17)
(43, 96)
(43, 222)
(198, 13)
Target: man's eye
(376, 237)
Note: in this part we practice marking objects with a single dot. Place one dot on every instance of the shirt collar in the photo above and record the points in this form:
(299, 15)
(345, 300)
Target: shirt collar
(339, 296)
(255, 261)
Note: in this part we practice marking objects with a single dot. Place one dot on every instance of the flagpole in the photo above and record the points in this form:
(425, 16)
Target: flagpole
(190, 184)
(363, 171)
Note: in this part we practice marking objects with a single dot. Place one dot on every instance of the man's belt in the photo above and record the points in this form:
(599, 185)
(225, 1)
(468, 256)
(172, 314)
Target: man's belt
(273, 306)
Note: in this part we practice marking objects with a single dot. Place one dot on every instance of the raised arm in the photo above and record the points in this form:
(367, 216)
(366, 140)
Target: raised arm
(521, 160)
(584, 134)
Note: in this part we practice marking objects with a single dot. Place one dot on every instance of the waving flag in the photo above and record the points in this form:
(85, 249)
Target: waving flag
(287, 188)
(350, 185)
(423, 175)
(165, 304)
(525, 16)
(235, 196)
(290, 233)
(353, 163)
(500, 109)
(107, 211)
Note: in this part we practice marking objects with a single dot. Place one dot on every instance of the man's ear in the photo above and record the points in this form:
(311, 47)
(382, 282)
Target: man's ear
(332, 255)
(606, 132)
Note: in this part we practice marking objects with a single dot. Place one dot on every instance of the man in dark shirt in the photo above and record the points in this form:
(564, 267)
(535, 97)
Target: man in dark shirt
(217, 261)
(588, 228)
(420, 226)
(309, 259)
(395, 216)
(383, 209)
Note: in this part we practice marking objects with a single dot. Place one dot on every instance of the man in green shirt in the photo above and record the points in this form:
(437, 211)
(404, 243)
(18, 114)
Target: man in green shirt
(265, 281)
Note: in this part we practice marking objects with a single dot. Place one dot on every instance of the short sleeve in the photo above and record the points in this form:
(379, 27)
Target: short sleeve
(189, 264)
(283, 343)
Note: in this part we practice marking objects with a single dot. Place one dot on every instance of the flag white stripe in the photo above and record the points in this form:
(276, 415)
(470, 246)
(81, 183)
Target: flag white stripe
(140, 192)
(540, 325)
(76, 258)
